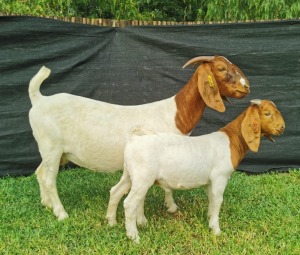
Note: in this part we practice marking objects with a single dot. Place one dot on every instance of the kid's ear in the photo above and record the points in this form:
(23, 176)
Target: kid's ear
(251, 128)
(209, 89)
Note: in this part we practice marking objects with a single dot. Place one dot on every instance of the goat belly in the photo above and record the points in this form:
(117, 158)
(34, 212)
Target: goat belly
(186, 183)
(184, 175)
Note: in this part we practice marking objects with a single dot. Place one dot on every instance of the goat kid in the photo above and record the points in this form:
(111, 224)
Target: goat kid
(179, 162)
(98, 138)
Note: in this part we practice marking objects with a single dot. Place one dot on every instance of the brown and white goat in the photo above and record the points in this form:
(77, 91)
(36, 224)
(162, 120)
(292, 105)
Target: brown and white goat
(180, 162)
(92, 134)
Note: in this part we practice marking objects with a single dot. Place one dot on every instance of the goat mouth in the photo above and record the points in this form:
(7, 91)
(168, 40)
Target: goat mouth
(279, 131)
(243, 92)
(240, 94)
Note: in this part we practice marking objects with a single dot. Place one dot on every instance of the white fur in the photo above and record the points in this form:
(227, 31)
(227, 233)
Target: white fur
(89, 133)
(243, 81)
(174, 162)
(93, 134)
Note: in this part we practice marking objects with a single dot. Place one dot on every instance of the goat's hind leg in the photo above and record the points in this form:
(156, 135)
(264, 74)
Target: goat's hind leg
(132, 203)
(45, 199)
(47, 179)
(116, 193)
(140, 214)
(169, 201)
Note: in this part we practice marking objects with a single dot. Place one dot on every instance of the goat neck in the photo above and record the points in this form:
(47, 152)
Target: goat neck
(238, 146)
(190, 106)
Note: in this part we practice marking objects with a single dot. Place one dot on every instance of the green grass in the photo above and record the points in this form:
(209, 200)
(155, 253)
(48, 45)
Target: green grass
(260, 215)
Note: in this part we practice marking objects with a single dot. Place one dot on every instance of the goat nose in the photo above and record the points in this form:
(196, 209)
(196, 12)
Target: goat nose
(281, 128)
(244, 82)
(247, 85)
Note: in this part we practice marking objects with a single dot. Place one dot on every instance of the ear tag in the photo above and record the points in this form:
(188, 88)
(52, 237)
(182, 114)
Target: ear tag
(210, 81)
(255, 126)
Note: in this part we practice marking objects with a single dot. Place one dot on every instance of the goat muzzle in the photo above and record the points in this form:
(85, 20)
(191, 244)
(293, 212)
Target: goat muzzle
(279, 131)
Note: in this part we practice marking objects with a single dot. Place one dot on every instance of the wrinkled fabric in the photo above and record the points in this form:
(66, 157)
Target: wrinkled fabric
(136, 65)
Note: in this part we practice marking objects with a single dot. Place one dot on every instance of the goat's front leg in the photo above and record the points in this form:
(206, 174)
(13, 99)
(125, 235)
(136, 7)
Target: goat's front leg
(215, 195)
(169, 201)
(140, 214)
(116, 193)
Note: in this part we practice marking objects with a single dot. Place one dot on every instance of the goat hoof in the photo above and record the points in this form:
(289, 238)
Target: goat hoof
(142, 222)
(46, 203)
(111, 222)
(134, 237)
(172, 209)
(217, 231)
(61, 215)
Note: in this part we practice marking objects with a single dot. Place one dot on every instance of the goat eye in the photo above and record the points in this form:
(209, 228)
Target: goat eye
(221, 68)
(267, 114)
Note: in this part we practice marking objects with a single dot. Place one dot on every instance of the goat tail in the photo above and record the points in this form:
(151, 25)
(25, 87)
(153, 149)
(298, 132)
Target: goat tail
(35, 83)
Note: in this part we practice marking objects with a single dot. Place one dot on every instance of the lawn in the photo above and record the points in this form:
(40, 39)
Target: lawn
(260, 215)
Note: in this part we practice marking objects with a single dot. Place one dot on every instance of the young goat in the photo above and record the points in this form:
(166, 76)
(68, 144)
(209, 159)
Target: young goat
(179, 162)
(92, 134)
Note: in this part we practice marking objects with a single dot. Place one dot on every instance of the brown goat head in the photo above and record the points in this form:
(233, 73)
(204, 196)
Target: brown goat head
(218, 78)
(262, 118)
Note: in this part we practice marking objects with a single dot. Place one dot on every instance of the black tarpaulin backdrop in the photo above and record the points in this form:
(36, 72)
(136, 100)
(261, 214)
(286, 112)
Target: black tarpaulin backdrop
(136, 65)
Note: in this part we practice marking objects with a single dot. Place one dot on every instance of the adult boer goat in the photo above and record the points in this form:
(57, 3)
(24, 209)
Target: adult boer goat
(92, 134)
(179, 162)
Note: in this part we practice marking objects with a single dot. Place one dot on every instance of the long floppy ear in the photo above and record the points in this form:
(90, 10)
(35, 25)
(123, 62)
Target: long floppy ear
(209, 89)
(251, 128)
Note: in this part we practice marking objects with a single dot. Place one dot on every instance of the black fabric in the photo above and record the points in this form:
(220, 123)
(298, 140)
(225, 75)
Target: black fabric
(136, 65)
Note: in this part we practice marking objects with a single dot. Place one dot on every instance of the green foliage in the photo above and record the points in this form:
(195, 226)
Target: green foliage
(113, 9)
(260, 215)
(176, 10)
(167, 10)
(226, 10)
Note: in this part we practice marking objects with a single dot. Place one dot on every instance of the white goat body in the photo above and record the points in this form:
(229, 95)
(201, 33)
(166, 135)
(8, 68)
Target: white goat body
(178, 162)
(93, 134)
(172, 162)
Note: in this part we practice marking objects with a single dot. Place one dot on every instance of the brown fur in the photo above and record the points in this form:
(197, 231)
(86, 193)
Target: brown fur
(216, 77)
(190, 107)
(246, 130)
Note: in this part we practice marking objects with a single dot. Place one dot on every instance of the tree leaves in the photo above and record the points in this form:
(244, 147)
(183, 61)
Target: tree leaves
(163, 10)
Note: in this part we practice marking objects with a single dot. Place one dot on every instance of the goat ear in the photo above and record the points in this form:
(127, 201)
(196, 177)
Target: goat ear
(209, 89)
(251, 128)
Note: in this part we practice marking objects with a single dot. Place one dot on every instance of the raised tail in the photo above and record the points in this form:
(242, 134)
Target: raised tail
(35, 83)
